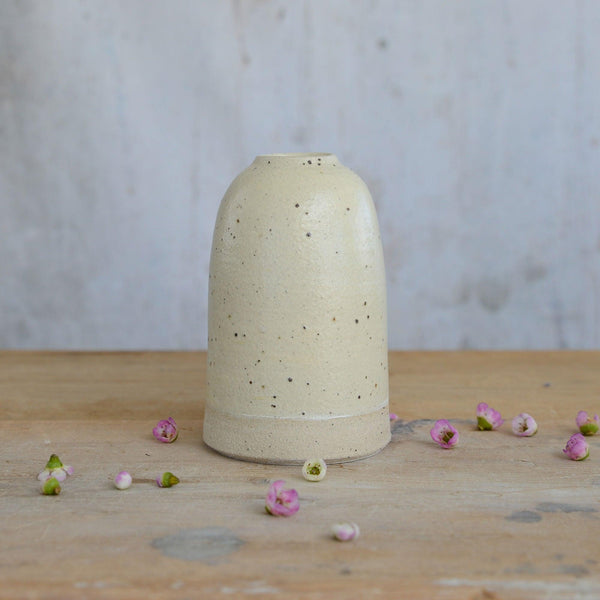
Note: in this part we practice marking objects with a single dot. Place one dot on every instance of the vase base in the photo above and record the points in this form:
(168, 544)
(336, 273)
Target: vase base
(271, 440)
(293, 463)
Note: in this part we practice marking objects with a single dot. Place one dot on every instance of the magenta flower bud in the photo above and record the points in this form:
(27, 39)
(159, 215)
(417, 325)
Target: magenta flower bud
(281, 502)
(55, 468)
(167, 480)
(524, 425)
(487, 417)
(314, 470)
(577, 448)
(344, 532)
(166, 431)
(444, 434)
(587, 424)
(123, 480)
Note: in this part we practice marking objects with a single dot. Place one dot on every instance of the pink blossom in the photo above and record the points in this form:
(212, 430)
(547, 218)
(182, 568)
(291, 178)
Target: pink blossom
(587, 424)
(444, 434)
(344, 532)
(577, 448)
(166, 431)
(393, 416)
(55, 469)
(281, 502)
(524, 425)
(487, 417)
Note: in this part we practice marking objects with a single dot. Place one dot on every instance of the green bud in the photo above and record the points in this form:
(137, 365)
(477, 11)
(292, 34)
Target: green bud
(54, 462)
(167, 480)
(589, 428)
(51, 487)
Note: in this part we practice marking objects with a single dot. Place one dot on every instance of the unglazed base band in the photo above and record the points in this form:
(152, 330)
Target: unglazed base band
(273, 440)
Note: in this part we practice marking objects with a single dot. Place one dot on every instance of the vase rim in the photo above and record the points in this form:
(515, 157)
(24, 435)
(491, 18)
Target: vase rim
(321, 157)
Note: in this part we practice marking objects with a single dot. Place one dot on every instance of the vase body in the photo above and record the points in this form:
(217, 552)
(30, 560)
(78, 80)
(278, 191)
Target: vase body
(297, 322)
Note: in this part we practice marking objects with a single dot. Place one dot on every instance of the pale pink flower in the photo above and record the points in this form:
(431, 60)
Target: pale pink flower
(166, 431)
(344, 532)
(587, 424)
(55, 468)
(444, 434)
(577, 448)
(123, 480)
(487, 417)
(524, 425)
(393, 416)
(167, 480)
(281, 502)
(314, 469)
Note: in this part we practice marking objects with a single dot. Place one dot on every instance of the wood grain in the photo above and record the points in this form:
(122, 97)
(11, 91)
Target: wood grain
(499, 517)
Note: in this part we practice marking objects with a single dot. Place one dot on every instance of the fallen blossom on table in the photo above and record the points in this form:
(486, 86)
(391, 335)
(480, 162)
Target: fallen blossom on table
(577, 448)
(167, 480)
(166, 431)
(524, 425)
(587, 424)
(56, 469)
(444, 434)
(281, 502)
(487, 417)
(123, 480)
(345, 532)
(314, 469)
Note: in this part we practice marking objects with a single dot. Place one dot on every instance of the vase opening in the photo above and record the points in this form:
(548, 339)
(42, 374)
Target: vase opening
(303, 158)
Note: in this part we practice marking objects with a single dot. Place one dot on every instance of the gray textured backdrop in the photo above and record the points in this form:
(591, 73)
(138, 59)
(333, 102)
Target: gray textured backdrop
(475, 125)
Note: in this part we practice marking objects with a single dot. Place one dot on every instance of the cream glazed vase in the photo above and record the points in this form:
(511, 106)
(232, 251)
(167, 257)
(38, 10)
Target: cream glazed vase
(297, 323)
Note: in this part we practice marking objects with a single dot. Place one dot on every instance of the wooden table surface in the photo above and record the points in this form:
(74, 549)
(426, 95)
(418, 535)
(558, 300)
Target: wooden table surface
(497, 517)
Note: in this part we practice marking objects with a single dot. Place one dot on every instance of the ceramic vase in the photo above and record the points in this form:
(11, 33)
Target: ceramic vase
(297, 325)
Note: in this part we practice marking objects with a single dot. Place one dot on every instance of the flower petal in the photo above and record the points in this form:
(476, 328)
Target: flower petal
(345, 532)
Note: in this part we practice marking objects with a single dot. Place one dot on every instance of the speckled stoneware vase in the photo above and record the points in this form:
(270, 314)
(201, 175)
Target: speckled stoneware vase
(297, 327)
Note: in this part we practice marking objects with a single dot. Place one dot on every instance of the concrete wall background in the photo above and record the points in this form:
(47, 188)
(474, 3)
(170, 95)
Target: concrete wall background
(475, 125)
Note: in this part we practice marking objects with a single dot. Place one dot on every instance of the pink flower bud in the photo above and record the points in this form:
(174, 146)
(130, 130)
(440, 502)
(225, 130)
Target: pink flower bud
(393, 416)
(123, 480)
(587, 424)
(444, 434)
(524, 425)
(487, 417)
(166, 431)
(344, 532)
(281, 502)
(577, 448)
